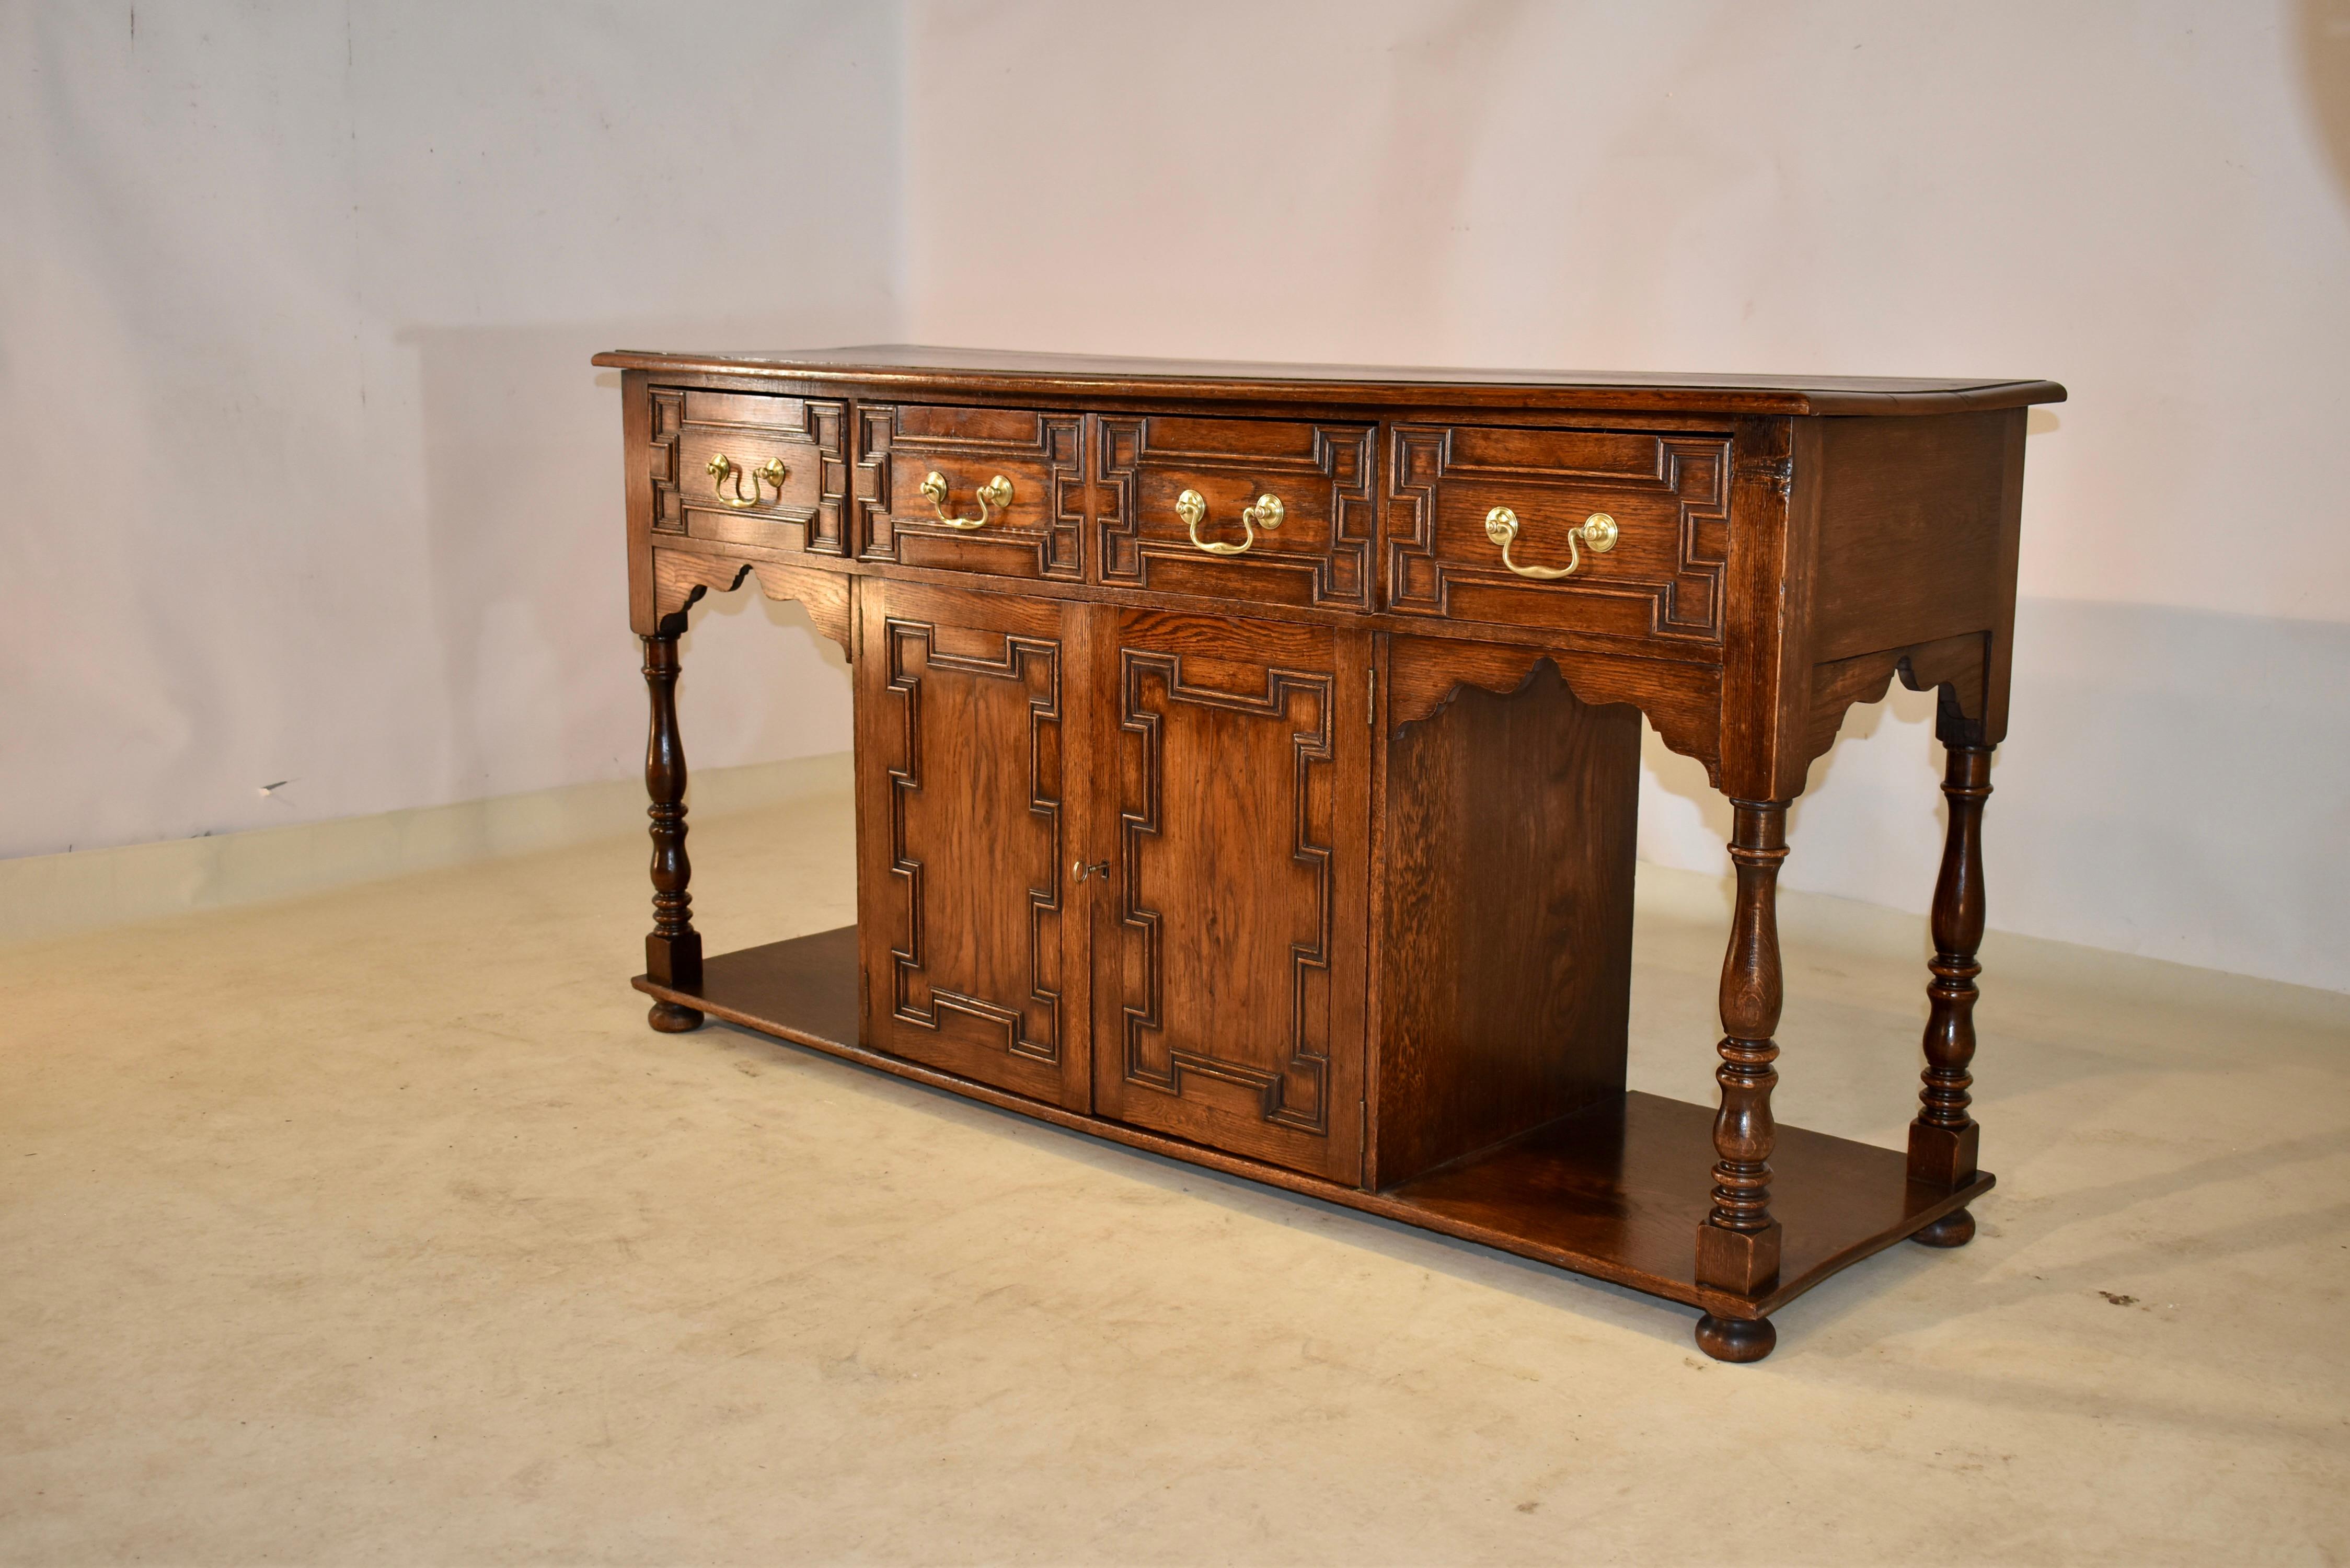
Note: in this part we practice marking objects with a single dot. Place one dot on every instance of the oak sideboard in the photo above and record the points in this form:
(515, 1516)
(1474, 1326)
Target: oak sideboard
(1247, 759)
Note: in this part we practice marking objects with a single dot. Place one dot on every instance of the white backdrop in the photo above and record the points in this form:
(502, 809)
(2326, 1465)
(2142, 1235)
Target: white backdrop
(309, 479)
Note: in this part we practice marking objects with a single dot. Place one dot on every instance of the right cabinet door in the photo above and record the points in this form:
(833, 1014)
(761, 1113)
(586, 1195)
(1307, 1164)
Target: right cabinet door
(1230, 985)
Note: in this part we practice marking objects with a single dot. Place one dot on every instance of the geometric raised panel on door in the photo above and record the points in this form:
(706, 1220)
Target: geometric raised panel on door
(1231, 1011)
(973, 963)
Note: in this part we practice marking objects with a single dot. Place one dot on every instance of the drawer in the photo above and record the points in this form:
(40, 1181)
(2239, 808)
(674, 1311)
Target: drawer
(751, 469)
(999, 491)
(1184, 508)
(1667, 495)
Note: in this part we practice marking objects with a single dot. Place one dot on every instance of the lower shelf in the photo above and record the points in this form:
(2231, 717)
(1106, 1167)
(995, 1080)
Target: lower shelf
(1616, 1192)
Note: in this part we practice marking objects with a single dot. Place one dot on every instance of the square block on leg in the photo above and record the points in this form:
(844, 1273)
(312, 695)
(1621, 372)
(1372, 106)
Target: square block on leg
(1944, 1157)
(1743, 1261)
(674, 960)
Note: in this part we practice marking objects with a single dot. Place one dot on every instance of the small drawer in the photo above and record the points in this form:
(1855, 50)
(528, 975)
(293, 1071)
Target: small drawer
(1658, 502)
(1273, 510)
(748, 468)
(1000, 491)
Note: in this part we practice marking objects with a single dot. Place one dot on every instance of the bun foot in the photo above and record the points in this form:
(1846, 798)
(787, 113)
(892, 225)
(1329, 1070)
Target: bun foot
(670, 1019)
(1736, 1338)
(1953, 1230)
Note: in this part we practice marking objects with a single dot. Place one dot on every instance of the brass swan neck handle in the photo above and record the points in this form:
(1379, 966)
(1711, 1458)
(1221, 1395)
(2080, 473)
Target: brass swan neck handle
(1598, 532)
(996, 492)
(722, 468)
(1267, 512)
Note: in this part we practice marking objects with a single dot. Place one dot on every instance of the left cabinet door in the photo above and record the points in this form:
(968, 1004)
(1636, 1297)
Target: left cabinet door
(971, 922)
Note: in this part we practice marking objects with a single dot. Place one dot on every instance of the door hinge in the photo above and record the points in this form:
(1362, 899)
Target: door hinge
(1371, 712)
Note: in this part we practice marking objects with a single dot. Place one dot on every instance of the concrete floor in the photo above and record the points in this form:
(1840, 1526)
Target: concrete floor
(378, 1228)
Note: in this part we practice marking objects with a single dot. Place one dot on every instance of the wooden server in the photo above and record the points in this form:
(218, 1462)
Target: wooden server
(1247, 759)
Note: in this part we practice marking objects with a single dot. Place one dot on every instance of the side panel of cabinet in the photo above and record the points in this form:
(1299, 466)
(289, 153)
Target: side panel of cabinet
(1231, 988)
(971, 749)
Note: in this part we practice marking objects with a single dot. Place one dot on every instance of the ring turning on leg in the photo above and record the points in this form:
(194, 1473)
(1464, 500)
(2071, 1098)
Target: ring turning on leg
(673, 947)
(1944, 1137)
(1738, 1245)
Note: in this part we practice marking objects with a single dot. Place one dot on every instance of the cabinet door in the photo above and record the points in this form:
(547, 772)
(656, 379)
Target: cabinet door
(969, 751)
(1229, 993)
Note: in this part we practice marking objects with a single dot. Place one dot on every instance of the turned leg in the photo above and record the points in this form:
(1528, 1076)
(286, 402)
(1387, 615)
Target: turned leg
(1738, 1245)
(674, 950)
(1942, 1140)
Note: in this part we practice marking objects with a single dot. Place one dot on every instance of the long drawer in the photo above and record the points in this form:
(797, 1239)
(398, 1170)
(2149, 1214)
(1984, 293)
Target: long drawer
(1613, 533)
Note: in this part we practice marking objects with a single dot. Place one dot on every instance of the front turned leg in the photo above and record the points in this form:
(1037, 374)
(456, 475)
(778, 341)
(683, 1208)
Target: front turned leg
(1943, 1139)
(673, 949)
(1738, 1245)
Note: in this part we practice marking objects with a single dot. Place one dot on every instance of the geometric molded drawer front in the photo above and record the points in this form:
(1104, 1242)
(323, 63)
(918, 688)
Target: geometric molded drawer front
(748, 468)
(1318, 552)
(1668, 495)
(1031, 525)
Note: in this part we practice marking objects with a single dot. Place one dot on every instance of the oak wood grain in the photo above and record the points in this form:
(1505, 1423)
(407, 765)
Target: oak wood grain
(1507, 971)
(808, 512)
(1667, 495)
(1231, 1004)
(974, 962)
(1958, 663)
(1320, 553)
(1684, 702)
(1911, 514)
(681, 578)
(1040, 532)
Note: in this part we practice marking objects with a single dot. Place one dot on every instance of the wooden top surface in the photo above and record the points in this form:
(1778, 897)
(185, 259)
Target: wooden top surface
(920, 368)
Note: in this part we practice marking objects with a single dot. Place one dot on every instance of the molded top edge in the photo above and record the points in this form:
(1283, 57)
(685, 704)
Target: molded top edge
(997, 370)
